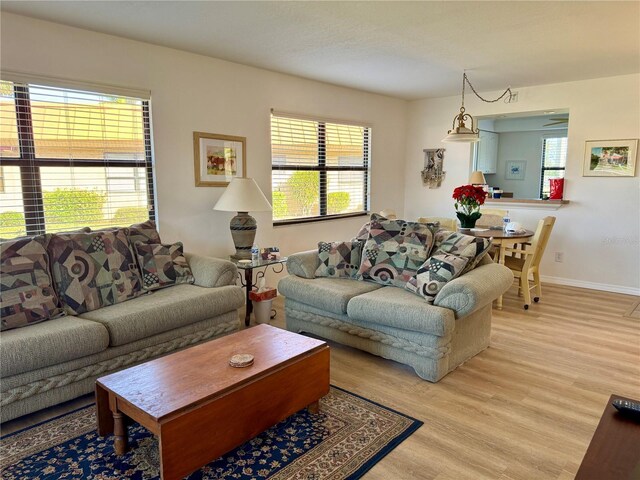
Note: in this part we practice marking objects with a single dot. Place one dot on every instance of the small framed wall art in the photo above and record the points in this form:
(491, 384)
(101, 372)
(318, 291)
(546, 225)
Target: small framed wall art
(610, 158)
(515, 170)
(218, 158)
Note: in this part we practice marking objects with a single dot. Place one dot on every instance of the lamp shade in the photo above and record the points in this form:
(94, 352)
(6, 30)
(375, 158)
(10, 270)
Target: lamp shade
(477, 178)
(461, 138)
(243, 195)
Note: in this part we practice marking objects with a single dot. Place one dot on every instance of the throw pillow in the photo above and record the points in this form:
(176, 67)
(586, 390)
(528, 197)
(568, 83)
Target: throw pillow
(162, 265)
(93, 270)
(145, 232)
(467, 246)
(394, 251)
(339, 259)
(26, 291)
(435, 273)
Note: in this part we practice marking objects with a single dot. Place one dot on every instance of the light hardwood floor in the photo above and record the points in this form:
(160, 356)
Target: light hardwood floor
(525, 408)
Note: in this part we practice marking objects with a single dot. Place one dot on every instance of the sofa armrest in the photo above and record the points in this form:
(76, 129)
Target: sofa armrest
(475, 289)
(303, 264)
(212, 272)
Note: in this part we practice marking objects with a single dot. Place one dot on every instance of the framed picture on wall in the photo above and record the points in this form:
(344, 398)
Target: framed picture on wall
(610, 158)
(218, 158)
(515, 170)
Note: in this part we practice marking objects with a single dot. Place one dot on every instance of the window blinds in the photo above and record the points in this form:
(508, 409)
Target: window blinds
(319, 168)
(72, 158)
(554, 160)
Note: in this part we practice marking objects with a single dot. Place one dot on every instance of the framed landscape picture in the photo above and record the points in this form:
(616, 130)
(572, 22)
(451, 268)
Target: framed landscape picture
(218, 158)
(610, 158)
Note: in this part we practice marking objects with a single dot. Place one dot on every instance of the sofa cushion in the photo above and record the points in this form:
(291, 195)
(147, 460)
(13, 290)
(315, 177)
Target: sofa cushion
(339, 259)
(164, 310)
(435, 273)
(93, 270)
(394, 251)
(399, 308)
(162, 265)
(26, 289)
(331, 294)
(50, 343)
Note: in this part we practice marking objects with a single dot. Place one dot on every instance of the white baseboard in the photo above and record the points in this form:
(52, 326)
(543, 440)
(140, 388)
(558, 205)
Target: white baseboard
(591, 285)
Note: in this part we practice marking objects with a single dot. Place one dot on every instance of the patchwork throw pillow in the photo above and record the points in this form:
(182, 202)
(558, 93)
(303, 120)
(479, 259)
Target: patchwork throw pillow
(394, 251)
(467, 246)
(93, 270)
(162, 265)
(145, 232)
(439, 237)
(339, 259)
(435, 273)
(26, 291)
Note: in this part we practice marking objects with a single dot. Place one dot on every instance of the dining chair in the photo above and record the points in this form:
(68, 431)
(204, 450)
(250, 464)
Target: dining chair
(526, 262)
(491, 217)
(445, 222)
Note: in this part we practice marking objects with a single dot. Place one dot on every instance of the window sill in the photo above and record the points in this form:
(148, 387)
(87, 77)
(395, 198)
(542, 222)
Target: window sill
(297, 221)
(526, 203)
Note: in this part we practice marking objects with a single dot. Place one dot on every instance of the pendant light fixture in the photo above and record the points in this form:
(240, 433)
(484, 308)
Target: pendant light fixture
(460, 131)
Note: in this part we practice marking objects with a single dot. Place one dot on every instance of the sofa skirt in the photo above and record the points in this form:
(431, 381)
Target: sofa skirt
(431, 357)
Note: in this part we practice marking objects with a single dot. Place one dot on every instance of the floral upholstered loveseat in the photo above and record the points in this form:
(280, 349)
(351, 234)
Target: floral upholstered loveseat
(414, 294)
(76, 306)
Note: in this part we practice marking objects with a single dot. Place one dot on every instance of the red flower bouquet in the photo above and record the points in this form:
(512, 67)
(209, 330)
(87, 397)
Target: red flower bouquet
(468, 200)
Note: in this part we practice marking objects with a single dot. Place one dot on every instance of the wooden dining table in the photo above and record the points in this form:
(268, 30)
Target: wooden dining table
(502, 240)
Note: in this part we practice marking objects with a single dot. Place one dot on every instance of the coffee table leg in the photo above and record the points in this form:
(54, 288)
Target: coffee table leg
(120, 434)
(314, 407)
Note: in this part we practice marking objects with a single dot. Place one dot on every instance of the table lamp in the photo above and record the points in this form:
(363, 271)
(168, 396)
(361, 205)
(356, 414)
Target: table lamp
(477, 178)
(243, 195)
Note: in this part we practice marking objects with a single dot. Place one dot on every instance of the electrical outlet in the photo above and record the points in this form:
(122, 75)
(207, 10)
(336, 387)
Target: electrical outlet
(513, 98)
(559, 257)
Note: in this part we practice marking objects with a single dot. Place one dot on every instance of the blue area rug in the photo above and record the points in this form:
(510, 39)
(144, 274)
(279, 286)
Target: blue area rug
(343, 441)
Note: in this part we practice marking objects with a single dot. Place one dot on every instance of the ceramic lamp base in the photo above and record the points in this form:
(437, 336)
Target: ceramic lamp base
(243, 231)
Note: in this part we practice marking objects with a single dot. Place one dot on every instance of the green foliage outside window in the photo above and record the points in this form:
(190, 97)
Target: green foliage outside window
(337, 202)
(71, 208)
(12, 225)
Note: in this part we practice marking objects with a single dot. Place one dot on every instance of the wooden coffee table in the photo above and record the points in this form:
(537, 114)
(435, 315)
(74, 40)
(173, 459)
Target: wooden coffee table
(199, 407)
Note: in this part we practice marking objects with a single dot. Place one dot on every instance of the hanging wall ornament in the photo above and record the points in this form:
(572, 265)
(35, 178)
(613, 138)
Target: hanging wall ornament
(432, 175)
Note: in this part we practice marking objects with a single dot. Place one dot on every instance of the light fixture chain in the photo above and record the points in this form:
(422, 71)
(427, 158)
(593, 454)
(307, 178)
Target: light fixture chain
(466, 79)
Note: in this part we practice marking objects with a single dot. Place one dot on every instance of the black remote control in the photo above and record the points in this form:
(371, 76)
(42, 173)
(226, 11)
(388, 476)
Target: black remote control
(627, 407)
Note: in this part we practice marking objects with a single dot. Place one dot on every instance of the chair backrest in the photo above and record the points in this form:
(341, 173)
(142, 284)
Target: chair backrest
(445, 222)
(494, 211)
(539, 242)
(489, 220)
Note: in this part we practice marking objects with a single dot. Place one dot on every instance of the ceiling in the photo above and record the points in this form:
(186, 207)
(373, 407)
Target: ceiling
(403, 49)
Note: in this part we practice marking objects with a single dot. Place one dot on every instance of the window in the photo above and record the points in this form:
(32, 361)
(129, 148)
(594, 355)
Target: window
(554, 161)
(320, 169)
(72, 158)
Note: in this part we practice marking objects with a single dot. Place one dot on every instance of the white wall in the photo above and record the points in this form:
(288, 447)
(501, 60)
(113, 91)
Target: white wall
(599, 231)
(196, 93)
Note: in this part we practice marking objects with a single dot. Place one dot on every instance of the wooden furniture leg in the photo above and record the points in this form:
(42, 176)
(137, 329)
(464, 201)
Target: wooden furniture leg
(314, 407)
(120, 434)
(503, 246)
(536, 281)
(103, 412)
(524, 286)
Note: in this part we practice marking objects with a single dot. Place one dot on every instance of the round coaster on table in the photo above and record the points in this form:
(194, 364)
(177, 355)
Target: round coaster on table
(244, 261)
(241, 360)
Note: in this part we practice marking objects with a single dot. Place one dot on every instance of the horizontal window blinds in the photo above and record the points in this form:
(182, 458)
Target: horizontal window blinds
(319, 168)
(554, 161)
(72, 158)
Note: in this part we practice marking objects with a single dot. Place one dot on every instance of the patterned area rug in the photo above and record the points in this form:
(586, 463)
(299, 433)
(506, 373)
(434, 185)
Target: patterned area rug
(343, 441)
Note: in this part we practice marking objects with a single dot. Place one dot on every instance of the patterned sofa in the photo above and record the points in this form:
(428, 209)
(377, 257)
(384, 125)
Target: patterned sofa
(99, 318)
(434, 334)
